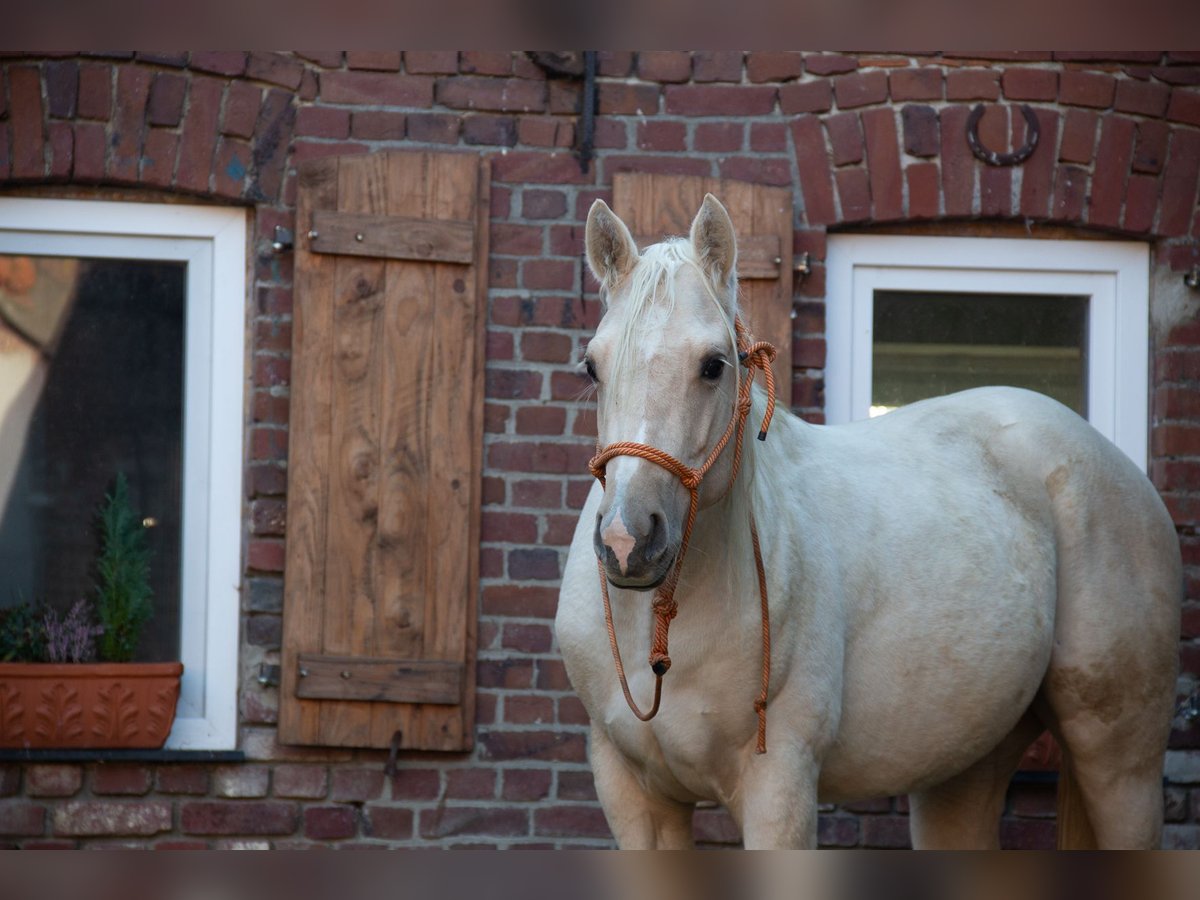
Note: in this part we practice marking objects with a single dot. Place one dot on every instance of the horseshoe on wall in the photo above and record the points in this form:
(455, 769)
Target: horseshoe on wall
(991, 157)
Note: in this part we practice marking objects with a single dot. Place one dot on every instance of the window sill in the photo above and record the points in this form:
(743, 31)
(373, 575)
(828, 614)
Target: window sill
(147, 756)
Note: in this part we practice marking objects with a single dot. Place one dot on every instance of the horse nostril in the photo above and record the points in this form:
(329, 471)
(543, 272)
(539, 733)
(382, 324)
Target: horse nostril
(656, 538)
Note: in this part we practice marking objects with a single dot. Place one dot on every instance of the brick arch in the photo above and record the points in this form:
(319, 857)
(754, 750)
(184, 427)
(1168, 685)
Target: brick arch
(217, 125)
(1131, 171)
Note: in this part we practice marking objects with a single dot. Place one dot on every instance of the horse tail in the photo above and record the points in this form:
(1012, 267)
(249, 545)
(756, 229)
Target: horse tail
(1074, 826)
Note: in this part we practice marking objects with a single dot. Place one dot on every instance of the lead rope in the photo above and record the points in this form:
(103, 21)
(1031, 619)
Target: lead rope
(753, 356)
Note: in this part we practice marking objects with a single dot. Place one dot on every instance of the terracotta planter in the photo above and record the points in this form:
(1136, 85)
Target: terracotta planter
(87, 705)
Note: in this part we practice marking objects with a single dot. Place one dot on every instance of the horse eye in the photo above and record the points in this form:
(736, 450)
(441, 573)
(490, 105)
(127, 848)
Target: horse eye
(590, 368)
(712, 369)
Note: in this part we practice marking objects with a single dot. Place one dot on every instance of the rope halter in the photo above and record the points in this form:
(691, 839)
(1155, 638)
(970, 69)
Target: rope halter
(753, 356)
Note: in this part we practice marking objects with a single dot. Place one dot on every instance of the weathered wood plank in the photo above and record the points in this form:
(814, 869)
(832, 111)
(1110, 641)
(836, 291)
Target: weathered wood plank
(308, 453)
(375, 680)
(394, 237)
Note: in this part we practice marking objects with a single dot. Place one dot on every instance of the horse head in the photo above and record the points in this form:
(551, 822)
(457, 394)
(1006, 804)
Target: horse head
(665, 366)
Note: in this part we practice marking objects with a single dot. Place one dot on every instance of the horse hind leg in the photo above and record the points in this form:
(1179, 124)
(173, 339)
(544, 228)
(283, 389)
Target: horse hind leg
(963, 812)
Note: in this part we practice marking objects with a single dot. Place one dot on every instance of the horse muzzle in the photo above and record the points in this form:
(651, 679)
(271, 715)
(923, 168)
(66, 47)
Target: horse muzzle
(636, 556)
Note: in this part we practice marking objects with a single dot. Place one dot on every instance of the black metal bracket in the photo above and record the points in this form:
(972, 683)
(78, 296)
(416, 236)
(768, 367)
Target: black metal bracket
(991, 157)
(389, 768)
(576, 64)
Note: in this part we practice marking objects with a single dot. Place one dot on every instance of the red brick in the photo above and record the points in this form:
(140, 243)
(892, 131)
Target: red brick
(1184, 106)
(921, 135)
(237, 817)
(854, 192)
(199, 135)
(1176, 440)
(830, 64)
(509, 526)
(767, 137)
(516, 600)
(1179, 183)
(716, 65)
(538, 494)
(486, 62)
(958, 165)
(450, 821)
(548, 274)
(614, 63)
(356, 785)
(471, 784)
(543, 745)
(219, 62)
(121, 779)
(19, 818)
(275, 68)
(884, 831)
(664, 65)
(265, 556)
(526, 638)
(576, 786)
(95, 91)
(431, 62)
(1028, 834)
(436, 128)
(1079, 136)
(166, 99)
(995, 192)
(377, 88)
(1150, 147)
(837, 831)
(389, 822)
(571, 821)
(1145, 98)
(1112, 168)
(757, 169)
(10, 780)
(133, 89)
(539, 564)
(1086, 89)
(1070, 192)
(1029, 84)
(323, 121)
(230, 167)
(883, 164)
(860, 89)
(845, 137)
(415, 784)
(48, 780)
(498, 131)
(509, 674)
(916, 84)
(62, 88)
(815, 181)
(662, 135)
(546, 346)
(241, 109)
(719, 137)
(807, 97)
(538, 168)
(774, 65)
(28, 137)
(720, 100)
(1038, 171)
(181, 779)
(98, 818)
(526, 785)
(376, 60)
(330, 823)
(618, 99)
(502, 95)
(972, 84)
(62, 149)
(543, 204)
(1141, 203)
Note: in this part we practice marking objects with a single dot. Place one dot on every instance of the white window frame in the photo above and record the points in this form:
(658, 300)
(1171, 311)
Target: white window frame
(1113, 275)
(212, 242)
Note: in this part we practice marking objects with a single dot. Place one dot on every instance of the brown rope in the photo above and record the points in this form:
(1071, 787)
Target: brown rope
(753, 356)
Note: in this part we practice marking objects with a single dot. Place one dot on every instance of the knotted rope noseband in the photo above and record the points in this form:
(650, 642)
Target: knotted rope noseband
(753, 356)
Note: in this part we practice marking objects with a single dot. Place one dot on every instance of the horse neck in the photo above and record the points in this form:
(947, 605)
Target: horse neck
(721, 550)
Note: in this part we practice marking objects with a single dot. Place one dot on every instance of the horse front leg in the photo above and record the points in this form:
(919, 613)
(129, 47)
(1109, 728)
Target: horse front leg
(639, 819)
(777, 804)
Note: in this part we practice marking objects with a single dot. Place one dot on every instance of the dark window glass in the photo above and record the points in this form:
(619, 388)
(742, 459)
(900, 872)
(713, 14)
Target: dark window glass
(930, 344)
(91, 384)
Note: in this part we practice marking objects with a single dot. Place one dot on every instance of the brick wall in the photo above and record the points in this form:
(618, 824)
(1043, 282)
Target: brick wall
(863, 140)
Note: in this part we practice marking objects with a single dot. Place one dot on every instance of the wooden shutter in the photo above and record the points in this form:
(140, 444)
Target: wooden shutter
(657, 205)
(385, 445)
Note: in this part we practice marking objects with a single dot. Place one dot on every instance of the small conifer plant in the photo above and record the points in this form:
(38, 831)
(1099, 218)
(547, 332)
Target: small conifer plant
(123, 594)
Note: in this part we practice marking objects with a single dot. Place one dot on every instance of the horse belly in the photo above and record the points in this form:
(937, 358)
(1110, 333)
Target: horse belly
(946, 668)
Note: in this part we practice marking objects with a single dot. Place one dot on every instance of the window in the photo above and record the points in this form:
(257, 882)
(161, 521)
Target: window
(124, 353)
(915, 317)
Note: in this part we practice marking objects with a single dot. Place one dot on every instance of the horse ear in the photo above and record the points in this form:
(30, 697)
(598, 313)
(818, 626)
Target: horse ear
(611, 251)
(714, 241)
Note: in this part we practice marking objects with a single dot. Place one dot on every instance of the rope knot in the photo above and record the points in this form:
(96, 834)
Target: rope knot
(760, 705)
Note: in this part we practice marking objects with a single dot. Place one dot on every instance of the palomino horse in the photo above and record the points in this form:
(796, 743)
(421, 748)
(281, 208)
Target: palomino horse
(944, 582)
